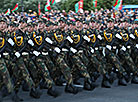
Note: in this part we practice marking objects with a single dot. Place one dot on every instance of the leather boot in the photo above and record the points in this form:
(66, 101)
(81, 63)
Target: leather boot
(25, 87)
(35, 93)
(88, 85)
(59, 81)
(43, 85)
(134, 79)
(53, 92)
(71, 89)
(105, 81)
(113, 77)
(122, 80)
(16, 98)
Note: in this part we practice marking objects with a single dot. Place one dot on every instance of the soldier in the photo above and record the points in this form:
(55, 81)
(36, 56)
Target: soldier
(4, 54)
(109, 36)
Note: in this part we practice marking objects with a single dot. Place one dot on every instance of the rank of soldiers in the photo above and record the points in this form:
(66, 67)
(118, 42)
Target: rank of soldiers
(42, 54)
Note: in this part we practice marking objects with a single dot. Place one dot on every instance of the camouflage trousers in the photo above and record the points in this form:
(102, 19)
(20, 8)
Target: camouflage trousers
(5, 76)
(43, 70)
(54, 73)
(21, 74)
(107, 66)
(64, 68)
(113, 59)
(135, 56)
(80, 66)
(32, 70)
(128, 62)
(98, 66)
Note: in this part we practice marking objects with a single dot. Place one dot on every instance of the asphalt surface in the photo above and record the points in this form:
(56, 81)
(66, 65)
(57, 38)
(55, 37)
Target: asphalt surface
(117, 93)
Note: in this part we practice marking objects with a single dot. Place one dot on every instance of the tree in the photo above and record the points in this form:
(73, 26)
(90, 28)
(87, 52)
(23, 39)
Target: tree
(64, 4)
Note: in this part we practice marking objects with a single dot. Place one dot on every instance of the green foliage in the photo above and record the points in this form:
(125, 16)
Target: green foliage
(64, 4)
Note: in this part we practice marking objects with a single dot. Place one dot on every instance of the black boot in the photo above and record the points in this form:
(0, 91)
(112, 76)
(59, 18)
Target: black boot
(96, 75)
(127, 77)
(53, 92)
(35, 93)
(71, 89)
(16, 98)
(134, 79)
(25, 87)
(76, 81)
(59, 81)
(113, 77)
(122, 80)
(5, 92)
(43, 85)
(88, 85)
(105, 82)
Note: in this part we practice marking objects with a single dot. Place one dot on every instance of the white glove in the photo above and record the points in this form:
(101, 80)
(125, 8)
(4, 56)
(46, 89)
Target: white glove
(123, 48)
(92, 50)
(69, 39)
(116, 51)
(100, 37)
(36, 53)
(73, 50)
(137, 46)
(30, 42)
(49, 40)
(108, 47)
(11, 41)
(17, 54)
(118, 36)
(57, 50)
(86, 38)
(132, 36)
(103, 51)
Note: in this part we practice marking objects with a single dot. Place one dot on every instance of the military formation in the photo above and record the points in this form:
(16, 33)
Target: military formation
(44, 52)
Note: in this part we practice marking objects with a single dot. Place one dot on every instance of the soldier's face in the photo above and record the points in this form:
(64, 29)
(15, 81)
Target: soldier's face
(3, 25)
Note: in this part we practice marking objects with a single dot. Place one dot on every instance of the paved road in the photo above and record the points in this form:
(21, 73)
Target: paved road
(115, 94)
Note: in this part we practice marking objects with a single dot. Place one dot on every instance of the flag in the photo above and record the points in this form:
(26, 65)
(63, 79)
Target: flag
(15, 8)
(76, 7)
(118, 4)
(7, 12)
(47, 6)
(39, 9)
(115, 3)
(79, 6)
(94, 3)
(52, 2)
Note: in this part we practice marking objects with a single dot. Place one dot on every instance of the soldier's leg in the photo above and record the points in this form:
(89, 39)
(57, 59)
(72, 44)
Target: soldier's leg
(46, 76)
(54, 72)
(66, 71)
(83, 71)
(131, 65)
(5, 76)
(115, 61)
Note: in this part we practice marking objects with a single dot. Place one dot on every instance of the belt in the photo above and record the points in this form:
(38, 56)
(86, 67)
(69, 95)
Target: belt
(44, 53)
(25, 53)
(65, 50)
(5, 54)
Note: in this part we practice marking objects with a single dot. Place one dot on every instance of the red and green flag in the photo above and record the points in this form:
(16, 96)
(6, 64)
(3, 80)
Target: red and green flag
(15, 8)
(118, 4)
(7, 12)
(79, 6)
(47, 6)
(94, 3)
(39, 9)
(52, 2)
